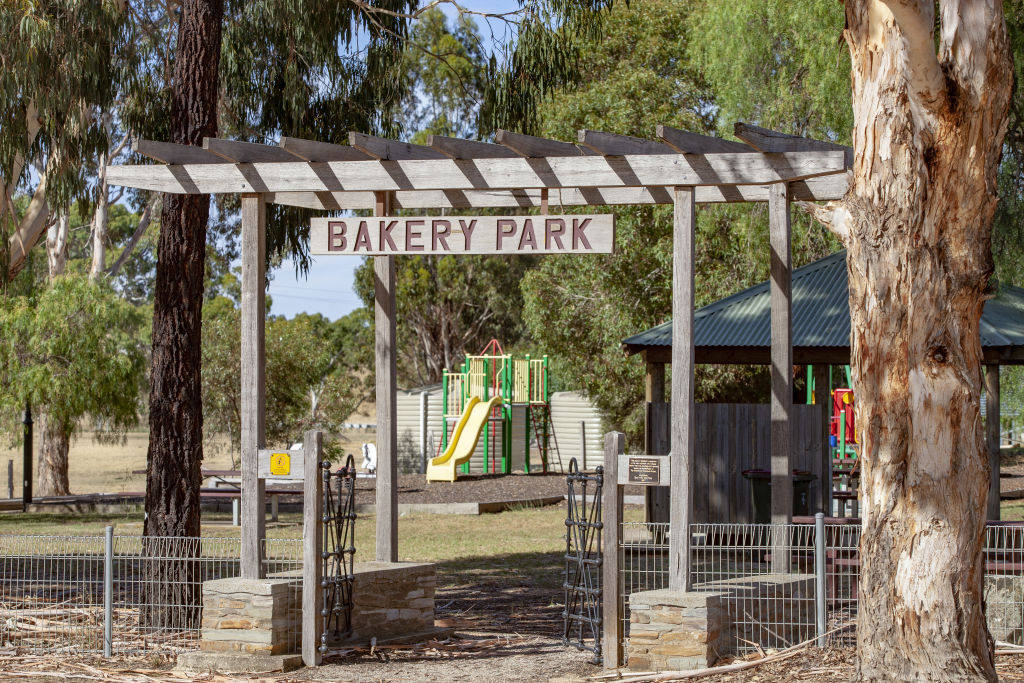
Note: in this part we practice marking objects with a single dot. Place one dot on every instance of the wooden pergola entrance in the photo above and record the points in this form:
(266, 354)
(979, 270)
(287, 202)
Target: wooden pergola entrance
(522, 172)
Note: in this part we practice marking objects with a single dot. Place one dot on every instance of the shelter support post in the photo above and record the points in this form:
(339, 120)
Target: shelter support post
(683, 425)
(656, 439)
(782, 367)
(387, 397)
(313, 541)
(992, 436)
(253, 361)
(611, 538)
(821, 399)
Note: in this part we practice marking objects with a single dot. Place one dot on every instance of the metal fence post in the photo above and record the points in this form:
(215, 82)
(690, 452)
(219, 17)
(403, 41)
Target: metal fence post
(108, 591)
(10, 479)
(819, 575)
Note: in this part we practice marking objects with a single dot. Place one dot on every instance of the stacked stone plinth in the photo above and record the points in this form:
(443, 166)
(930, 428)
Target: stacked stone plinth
(392, 599)
(258, 617)
(249, 625)
(675, 630)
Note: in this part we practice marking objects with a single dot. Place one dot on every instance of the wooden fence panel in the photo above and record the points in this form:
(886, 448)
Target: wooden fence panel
(733, 437)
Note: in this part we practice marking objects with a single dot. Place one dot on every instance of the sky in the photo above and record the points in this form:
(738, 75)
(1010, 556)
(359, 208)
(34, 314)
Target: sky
(328, 289)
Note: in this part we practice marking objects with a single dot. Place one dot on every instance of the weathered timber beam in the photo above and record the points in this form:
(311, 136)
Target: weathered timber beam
(482, 174)
(239, 152)
(457, 148)
(171, 153)
(534, 147)
(772, 141)
(685, 142)
(311, 150)
(822, 188)
(391, 150)
(620, 145)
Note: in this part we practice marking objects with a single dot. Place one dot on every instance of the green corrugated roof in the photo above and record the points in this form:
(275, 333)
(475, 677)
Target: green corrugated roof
(821, 314)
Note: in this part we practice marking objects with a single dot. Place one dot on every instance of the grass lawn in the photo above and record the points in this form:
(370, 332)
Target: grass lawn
(423, 538)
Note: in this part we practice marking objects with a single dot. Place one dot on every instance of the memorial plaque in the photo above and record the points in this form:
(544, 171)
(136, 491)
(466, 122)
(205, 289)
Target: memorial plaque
(644, 470)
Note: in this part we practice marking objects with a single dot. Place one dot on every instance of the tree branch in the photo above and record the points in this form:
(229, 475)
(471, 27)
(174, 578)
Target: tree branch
(140, 230)
(833, 215)
(916, 21)
(966, 42)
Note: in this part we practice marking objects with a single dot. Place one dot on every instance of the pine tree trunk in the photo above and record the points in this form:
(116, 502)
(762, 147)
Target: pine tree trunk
(175, 408)
(927, 140)
(53, 458)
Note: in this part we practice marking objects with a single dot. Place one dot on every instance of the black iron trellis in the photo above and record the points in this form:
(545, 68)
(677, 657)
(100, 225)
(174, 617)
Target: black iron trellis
(583, 559)
(339, 517)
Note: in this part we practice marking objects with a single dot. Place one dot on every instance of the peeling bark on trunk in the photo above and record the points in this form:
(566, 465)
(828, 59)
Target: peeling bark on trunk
(57, 245)
(175, 408)
(917, 224)
(53, 458)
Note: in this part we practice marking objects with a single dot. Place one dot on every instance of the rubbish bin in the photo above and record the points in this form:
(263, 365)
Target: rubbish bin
(761, 488)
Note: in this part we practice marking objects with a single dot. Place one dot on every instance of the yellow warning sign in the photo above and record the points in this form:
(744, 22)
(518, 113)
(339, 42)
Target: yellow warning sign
(280, 464)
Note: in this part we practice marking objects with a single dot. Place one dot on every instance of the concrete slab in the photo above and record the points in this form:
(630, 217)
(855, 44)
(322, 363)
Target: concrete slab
(236, 663)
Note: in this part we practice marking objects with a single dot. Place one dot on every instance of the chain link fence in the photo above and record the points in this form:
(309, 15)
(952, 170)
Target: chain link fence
(117, 594)
(787, 584)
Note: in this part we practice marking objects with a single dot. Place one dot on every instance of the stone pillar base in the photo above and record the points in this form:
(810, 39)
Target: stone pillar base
(249, 625)
(677, 630)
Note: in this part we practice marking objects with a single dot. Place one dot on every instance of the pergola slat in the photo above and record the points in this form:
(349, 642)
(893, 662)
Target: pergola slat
(612, 144)
(310, 150)
(457, 148)
(392, 150)
(654, 170)
(823, 188)
(171, 153)
(534, 147)
(685, 142)
(772, 141)
(239, 152)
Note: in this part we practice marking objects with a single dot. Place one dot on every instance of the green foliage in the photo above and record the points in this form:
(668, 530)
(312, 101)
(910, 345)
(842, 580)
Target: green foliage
(55, 59)
(777, 63)
(317, 371)
(74, 349)
(449, 306)
(445, 67)
(634, 77)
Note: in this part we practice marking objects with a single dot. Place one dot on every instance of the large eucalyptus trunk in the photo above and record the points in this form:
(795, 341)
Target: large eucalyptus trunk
(53, 457)
(175, 403)
(928, 131)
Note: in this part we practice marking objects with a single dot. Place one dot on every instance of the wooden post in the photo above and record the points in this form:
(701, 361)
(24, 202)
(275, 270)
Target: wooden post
(313, 540)
(611, 538)
(253, 363)
(822, 400)
(583, 444)
(992, 437)
(683, 426)
(656, 428)
(782, 369)
(655, 383)
(387, 397)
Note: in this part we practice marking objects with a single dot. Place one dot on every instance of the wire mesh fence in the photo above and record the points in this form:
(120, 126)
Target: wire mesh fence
(117, 594)
(776, 589)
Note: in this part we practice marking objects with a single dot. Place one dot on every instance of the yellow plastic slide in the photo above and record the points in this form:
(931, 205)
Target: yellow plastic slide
(463, 443)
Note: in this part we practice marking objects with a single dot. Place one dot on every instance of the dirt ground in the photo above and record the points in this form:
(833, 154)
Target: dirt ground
(474, 658)
(476, 488)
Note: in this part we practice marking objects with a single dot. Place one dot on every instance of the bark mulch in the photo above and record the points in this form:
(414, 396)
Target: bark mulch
(471, 488)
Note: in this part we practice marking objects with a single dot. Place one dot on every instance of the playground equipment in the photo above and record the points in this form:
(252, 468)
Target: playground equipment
(463, 442)
(841, 426)
(517, 391)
